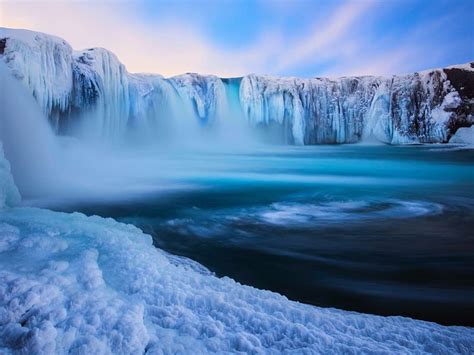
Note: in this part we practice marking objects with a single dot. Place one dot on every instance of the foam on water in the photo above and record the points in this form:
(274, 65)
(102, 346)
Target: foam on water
(201, 223)
(348, 211)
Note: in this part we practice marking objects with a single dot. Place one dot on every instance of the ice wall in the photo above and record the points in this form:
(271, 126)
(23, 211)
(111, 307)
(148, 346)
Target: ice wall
(415, 108)
(92, 90)
(206, 94)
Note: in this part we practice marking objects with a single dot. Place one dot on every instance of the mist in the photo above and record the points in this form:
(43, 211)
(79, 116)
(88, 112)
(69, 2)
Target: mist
(158, 157)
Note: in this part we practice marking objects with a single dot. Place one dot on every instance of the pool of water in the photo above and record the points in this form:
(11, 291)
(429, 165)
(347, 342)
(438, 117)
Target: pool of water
(377, 229)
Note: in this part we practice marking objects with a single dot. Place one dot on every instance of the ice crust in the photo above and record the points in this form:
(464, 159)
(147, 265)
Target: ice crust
(423, 107)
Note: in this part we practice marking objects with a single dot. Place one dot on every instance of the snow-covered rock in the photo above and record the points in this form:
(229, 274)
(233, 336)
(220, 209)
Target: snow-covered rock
(71, 283)
(43, 63)
(92, 87)
(206, 94)
(9, 195)
(414, 108)
(464, 135)
(102, 81)
(310, 110)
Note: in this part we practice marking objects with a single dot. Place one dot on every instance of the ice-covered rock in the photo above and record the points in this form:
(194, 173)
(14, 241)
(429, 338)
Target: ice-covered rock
(71, 283)
(414, 108)
(43, 63)
(102, 81)
(9, 195)
(310, 111)
(93, 88)
(206, 94)
(464, 135)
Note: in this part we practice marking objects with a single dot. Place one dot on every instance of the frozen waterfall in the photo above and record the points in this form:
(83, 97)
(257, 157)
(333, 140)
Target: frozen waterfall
(89, 93)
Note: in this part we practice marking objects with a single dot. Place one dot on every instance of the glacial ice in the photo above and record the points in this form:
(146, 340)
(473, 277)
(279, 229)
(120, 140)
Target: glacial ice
(93, 88)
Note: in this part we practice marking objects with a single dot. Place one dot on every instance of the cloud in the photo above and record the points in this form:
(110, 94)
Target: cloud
(350, 39)
(327, 39)
(173, 47)
(420, 45)
(167, 47)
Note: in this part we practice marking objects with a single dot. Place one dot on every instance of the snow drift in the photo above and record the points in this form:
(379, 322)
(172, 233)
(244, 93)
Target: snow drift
(92, 90)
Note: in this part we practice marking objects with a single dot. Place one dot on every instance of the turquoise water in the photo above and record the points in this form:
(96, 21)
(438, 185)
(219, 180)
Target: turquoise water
(377, 229)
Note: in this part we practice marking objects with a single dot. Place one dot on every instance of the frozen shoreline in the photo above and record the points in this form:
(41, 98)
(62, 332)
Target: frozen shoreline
(76, 283)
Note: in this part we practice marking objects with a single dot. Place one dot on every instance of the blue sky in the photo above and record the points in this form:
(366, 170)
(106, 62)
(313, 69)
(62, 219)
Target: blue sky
(292, 38)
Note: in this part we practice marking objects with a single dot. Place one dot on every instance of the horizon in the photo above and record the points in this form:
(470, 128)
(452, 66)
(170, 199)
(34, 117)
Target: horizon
(301, 39)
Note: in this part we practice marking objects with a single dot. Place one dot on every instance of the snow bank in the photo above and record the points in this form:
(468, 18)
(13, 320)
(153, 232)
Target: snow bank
(9, 195)
(91, 285)
(464, 135)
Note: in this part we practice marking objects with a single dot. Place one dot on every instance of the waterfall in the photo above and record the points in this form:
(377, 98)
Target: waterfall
(27, 137)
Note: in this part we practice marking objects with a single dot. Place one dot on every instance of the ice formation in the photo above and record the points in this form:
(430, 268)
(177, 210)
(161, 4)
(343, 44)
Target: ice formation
(91, 88)
(415, 108)
(464, 135)
(206, 94)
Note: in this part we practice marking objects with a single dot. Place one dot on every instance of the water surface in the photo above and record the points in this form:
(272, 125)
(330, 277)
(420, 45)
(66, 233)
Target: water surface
(378, 229)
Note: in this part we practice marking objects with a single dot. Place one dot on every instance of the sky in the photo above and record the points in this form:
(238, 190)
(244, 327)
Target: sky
(304, 38)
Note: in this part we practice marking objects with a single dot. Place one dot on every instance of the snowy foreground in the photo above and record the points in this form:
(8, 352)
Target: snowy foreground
(89, 285)
(74, 283)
